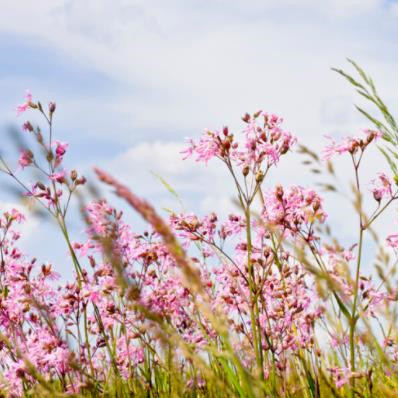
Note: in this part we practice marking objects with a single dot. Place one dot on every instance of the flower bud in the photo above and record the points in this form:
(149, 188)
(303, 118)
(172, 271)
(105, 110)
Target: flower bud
(259, 176)
(51, 107)
(27, 126)
(246, 118)
(73, 175)
(80, 181)
(285, 148)
(50, 156)
(41, 186)
(279, 193)
(316, 205)
(245, 171)
(46, 269)
(92, 261)
(377, 196)
(39, 137)
(371, 136)
(111, 308)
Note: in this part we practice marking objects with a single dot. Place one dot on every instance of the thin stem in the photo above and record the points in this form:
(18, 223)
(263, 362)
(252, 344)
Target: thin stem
(353, 319)
(254, 309)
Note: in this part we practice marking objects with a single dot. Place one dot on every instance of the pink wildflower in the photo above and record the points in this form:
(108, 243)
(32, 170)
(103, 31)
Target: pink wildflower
(350, 144)
(293, 208)
(392, 241)
(58, 177)
(209, 146)
(60, 148)
(341, 376)
(23, 107)
(264, 140)
(27, 127)
(25, 158)
(381, 187)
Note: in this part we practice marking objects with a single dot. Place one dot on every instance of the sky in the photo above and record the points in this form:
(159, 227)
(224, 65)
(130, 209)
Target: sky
(132, 79)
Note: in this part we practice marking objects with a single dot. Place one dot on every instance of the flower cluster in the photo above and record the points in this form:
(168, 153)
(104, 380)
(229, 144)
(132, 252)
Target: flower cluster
(294, 210)
(264, 141)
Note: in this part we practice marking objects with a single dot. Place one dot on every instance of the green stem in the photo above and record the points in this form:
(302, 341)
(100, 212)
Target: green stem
(254, 309)
(353, 320)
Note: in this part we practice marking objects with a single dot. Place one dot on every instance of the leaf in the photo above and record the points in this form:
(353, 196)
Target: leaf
(376, 122)
(394, 154)
(170, 189)
(232, 377)
(361, 72)
(166, 185)
(342, 306)
(349, 78)
(167, 210)
(311, 383)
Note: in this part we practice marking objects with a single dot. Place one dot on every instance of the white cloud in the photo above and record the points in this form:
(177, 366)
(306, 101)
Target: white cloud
(190, 66)
(163, 158)
(221, 205)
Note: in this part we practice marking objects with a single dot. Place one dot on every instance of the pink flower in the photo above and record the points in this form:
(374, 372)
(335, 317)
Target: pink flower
(58, 177)
(339, 340)
(381, 187)
(264, 141)
(373, 134)
(292, 208)
(189, 151)
(350, 144)
(341, 376)
(27, 127)
(208, 147)
(392, 241)
(25, 158)
(60, 148)
(23, 107)
(15, 215)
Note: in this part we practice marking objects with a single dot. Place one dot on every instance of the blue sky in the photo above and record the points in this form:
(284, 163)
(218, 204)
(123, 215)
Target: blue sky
(133, 78)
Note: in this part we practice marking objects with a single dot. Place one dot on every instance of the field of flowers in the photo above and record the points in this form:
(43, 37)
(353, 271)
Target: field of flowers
(265, 303)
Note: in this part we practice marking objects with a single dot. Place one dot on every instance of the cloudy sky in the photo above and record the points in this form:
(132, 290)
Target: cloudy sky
(133, 78)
